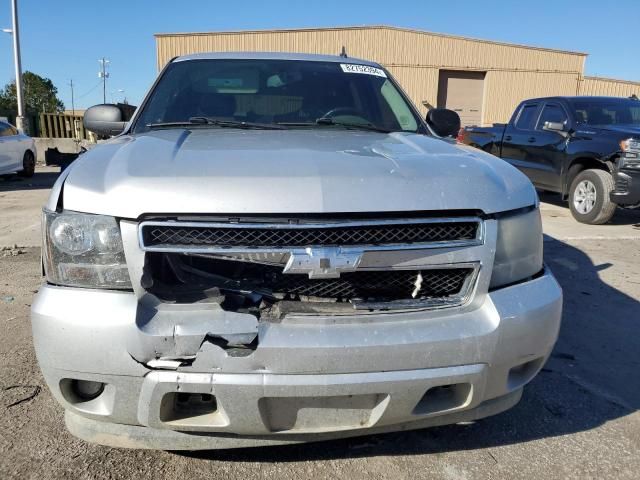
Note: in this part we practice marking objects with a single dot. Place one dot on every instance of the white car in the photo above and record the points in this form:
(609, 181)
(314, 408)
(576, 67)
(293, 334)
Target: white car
(17, 151)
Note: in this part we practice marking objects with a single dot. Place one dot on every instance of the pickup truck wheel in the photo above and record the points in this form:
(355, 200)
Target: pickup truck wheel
(589, 197)
(28, 165)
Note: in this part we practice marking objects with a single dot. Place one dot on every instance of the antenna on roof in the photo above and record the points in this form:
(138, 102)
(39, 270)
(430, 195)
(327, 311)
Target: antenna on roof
(343, 53)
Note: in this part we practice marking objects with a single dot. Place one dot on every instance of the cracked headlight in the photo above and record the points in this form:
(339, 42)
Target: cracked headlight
(518, 248)
(82, 250)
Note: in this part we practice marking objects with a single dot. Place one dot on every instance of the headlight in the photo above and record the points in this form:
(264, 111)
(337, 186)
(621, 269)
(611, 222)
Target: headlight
(518, 249)
(630, 145)
(81, 250)
(631, 153)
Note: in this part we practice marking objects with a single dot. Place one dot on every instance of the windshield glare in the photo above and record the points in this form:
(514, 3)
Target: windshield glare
(608, 112)
(277, 92)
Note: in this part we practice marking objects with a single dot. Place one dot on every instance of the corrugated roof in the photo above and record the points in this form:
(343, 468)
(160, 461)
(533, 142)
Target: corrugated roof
(369, 27)
(276, 56)
(617, 80)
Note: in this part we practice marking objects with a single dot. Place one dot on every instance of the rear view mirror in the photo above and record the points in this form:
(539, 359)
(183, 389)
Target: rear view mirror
(443, 122)
(556, 127)
(105, 120)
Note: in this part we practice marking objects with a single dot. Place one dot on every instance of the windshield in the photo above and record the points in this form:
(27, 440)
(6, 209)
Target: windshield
(291, 93)
(607, 112)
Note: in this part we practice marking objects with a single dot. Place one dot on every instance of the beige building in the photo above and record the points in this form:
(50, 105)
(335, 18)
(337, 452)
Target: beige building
(481, 79)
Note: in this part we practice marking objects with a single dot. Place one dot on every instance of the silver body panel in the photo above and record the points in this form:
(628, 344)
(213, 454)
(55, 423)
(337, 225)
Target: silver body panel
(301, 358)
(309, 376)
(288, 171)
(385, 360)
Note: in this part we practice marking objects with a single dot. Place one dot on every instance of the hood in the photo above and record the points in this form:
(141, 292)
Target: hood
(625, 130)
(231, 171)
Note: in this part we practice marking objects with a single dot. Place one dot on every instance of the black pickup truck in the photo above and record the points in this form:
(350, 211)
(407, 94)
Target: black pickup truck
(585, 148)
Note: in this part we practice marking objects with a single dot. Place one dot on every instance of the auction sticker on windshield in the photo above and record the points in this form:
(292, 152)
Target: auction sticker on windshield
(366, 69)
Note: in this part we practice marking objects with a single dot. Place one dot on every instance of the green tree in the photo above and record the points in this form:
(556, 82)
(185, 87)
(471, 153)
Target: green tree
(40, 95)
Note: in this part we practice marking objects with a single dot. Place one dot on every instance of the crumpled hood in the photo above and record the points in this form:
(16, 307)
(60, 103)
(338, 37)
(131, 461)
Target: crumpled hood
(230, 171)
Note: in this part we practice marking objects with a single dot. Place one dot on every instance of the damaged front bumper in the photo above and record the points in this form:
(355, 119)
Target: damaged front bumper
(197, 376)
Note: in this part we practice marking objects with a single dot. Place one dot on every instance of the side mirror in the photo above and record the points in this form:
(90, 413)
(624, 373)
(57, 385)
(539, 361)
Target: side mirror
(443, 122)
(105, 120)
(556, 127)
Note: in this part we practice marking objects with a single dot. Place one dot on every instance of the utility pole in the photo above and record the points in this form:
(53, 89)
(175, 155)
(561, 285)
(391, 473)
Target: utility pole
(103, 74)
(21, 121)
(73, 108)
(73, 111)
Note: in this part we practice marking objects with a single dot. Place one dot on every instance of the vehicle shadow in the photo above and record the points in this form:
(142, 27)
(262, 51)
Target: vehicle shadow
(623, 216)
(42, 179)
(590, 379)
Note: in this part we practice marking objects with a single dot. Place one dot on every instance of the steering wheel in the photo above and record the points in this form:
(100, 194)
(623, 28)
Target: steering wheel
(342, 111)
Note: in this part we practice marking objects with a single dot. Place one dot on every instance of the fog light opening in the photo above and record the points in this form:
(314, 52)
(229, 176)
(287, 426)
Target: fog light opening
(181, 406)
(86, 389)
(443, 398)
(523, 373)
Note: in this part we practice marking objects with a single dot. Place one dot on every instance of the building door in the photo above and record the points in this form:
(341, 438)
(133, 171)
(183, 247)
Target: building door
(462, 92)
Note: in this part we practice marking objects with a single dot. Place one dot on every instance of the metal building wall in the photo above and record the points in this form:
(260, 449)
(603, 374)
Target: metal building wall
(419, 83)
(414, 58)
(609, 87)
(504, 90)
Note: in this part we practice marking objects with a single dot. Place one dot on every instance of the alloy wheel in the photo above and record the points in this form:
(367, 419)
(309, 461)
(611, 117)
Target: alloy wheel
(584, 198)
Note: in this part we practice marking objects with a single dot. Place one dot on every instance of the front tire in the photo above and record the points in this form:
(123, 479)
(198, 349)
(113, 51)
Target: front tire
(28, 165)
(589, 199)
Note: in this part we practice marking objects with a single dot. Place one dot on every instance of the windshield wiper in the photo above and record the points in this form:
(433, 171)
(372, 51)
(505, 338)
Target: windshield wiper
(171, 124)
(361, 126)
(331, 121)
(206, 121)
(235, 123)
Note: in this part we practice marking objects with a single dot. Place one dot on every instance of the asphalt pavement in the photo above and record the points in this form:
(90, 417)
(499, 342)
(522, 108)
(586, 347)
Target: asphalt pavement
(578, 419)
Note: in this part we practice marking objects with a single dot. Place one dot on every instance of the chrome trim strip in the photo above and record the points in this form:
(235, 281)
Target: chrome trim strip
(324, 224)
(479, 240)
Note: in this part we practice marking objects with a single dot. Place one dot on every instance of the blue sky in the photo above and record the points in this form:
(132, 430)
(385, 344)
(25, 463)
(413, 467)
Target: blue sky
(64, 39)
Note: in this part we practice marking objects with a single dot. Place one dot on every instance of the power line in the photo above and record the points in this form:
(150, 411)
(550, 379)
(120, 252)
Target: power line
(90, 90)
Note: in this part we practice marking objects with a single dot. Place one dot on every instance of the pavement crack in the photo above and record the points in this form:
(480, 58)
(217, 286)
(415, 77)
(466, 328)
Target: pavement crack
(36, 389)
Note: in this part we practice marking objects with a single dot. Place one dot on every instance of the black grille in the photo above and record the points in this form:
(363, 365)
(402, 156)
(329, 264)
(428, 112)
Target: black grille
(378, 285)
(381, 285)
(205, 236)
(621, 185)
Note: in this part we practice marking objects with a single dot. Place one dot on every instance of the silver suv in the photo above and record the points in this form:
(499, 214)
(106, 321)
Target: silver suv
(276, 248)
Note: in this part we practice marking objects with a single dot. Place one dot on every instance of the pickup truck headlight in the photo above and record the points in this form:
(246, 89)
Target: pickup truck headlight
(631, 153)
(518, 249)
(82, 250)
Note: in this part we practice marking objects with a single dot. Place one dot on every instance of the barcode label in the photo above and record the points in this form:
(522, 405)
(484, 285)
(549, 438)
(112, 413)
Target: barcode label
(366, 69)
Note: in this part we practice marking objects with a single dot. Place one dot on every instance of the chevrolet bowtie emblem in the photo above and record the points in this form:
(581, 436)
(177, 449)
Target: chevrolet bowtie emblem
(323, 262)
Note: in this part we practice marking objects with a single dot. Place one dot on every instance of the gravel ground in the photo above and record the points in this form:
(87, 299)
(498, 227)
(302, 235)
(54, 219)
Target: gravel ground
(578, 419)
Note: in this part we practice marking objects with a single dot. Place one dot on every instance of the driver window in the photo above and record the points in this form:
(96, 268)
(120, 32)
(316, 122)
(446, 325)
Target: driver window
(5, 130)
